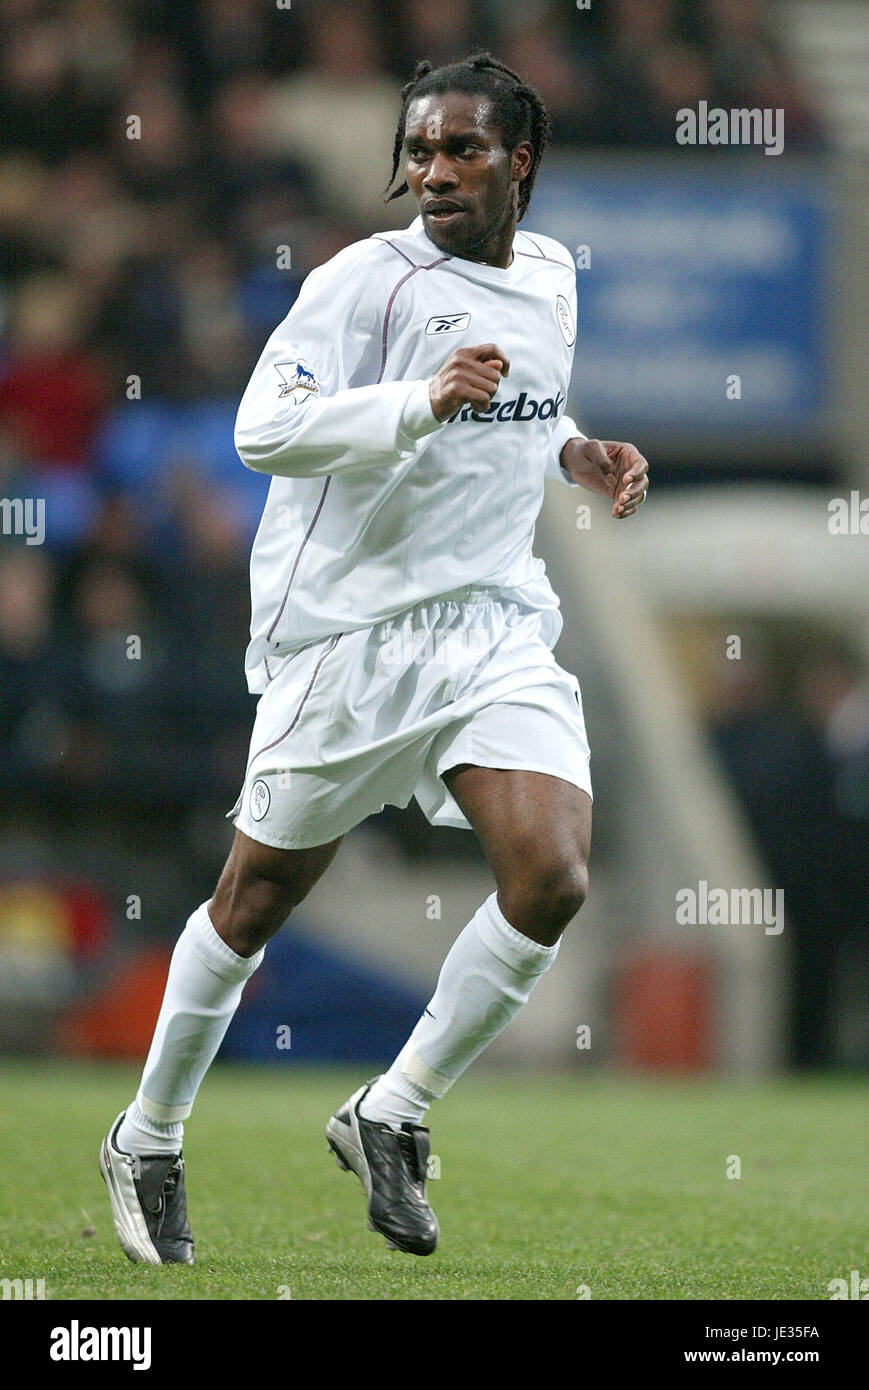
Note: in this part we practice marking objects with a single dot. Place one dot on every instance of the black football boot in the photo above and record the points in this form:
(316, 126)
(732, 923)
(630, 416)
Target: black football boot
(391, 1165)
(149, 1204)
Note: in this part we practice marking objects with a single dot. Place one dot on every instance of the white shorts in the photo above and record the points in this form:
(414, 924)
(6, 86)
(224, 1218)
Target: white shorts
(377, 715)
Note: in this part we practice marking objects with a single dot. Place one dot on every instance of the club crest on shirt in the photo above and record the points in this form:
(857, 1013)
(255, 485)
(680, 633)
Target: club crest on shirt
(297, 381)
(565, 320)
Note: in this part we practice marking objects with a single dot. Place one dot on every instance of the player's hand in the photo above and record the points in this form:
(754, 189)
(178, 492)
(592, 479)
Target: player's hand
(609, 468)
(470, 376)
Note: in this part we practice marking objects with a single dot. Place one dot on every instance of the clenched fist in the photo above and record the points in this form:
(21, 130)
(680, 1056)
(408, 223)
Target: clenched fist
(470, 376)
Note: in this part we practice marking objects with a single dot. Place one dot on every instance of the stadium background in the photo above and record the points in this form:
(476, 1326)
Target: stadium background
(168, 176)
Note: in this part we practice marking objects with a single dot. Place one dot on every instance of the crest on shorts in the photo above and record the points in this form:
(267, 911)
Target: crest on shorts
(297, 381)
(260, 799)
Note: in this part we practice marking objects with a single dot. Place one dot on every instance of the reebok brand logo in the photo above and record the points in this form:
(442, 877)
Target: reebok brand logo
(448, 323)
(522, 408)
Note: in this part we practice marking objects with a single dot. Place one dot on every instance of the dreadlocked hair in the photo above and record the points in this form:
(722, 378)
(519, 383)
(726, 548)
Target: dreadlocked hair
(517, 110)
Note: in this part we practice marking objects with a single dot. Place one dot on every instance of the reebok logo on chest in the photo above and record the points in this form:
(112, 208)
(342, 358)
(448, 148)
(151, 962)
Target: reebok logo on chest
(523, 408)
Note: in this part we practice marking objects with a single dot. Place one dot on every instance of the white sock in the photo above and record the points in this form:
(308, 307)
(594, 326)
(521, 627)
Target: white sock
(203, 991)
(487, 976)
(139, 1134)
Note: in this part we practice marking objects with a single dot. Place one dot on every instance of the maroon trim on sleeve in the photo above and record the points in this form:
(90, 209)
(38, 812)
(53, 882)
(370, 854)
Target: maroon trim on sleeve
(541, 256)
(430, 266)
(392, 245)
(305, 540)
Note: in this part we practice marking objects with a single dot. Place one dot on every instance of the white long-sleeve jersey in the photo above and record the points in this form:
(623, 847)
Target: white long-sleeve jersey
(376, 506)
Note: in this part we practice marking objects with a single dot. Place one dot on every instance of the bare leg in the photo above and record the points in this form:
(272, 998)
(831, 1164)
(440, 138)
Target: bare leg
(536, 832)
(259, 888)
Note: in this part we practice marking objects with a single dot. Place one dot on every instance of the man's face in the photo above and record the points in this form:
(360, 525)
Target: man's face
(460, 174)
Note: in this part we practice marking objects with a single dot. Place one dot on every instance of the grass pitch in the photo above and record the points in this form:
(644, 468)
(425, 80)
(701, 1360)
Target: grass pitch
(549, 1185)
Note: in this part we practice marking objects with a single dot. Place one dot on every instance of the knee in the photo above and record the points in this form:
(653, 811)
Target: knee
(563, 887)
(247, 910)
(545, 892)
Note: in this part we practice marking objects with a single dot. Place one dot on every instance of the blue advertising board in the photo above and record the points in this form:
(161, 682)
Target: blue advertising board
(702, 294)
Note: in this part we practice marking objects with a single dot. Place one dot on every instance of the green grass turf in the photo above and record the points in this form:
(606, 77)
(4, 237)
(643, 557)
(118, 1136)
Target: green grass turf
(548, 1182)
